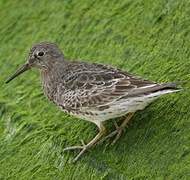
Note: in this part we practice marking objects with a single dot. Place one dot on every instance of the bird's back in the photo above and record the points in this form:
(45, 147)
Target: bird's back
(95, 91)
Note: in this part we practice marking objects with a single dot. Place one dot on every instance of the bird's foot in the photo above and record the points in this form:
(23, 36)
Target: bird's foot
(83, 148)
(117, 133)
(119, 130)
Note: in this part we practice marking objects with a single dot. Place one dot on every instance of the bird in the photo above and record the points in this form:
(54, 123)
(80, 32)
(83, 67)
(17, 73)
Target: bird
(91, 91)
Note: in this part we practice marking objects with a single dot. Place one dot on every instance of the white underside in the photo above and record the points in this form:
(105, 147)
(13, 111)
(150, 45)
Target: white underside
(123, 106)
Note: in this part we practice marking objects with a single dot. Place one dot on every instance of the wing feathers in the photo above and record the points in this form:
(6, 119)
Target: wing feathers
(95, 85)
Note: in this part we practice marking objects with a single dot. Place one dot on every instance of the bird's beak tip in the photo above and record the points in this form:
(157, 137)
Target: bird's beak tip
(22, 69)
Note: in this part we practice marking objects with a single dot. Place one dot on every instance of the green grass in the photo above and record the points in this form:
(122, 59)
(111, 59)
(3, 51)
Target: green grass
(146, 37)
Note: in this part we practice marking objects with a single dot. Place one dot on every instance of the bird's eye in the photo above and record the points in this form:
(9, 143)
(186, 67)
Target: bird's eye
(41, 53)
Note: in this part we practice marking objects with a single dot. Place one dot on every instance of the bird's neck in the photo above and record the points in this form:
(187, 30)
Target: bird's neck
(51, 79)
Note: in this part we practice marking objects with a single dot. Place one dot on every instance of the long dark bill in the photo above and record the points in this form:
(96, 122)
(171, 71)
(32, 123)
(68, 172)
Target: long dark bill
(22, 69)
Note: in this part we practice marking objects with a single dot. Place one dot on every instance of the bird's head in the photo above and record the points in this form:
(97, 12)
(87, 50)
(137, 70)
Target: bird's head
(42, 56)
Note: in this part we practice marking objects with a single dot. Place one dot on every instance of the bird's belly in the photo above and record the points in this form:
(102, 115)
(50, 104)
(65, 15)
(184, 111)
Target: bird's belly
(116, 109)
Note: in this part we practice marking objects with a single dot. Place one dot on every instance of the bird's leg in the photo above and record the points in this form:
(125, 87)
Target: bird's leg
(93, 142)
(119, 129)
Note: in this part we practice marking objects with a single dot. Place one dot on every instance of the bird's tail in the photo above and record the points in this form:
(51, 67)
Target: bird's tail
(155, 90)
(165, 88)
(169, 86)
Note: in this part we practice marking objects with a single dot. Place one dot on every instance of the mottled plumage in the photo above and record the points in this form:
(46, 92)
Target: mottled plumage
(93, 92)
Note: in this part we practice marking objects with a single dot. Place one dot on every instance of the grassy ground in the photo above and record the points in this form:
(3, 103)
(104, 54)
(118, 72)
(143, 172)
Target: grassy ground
(146, 37)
